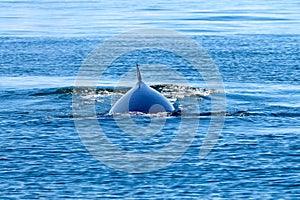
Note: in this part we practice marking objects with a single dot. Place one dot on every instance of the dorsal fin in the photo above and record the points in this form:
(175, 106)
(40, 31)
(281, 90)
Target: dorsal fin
(138, 73)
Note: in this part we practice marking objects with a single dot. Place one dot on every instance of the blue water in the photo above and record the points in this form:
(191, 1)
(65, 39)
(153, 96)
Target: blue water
(255, 45)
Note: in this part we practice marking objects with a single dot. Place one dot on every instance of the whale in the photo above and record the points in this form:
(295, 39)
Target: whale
(142, 99)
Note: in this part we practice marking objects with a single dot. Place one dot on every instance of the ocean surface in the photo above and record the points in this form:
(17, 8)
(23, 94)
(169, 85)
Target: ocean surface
(254, 44)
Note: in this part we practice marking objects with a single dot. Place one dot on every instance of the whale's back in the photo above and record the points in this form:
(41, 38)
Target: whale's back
(142, 98)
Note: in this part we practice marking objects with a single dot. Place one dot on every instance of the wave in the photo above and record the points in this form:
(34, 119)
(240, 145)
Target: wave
(238, 114)
(104, 96)
(171, 90)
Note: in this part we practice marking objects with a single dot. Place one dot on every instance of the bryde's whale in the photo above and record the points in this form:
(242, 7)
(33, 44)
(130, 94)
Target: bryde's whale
(142, 98)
